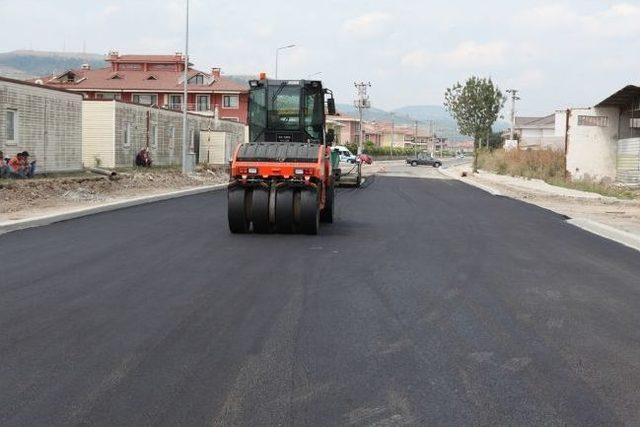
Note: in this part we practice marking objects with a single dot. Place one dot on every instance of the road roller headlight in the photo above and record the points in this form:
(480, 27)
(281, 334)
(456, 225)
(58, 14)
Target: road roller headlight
(253, 170)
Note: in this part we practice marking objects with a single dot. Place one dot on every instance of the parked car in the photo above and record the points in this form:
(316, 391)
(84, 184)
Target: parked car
(424, 159)
(345, 155)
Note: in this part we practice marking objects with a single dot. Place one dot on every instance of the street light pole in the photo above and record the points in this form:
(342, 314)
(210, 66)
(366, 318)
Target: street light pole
(514, 98)
(185, 132)
(393, 132)
(361, 103)
(278, 53)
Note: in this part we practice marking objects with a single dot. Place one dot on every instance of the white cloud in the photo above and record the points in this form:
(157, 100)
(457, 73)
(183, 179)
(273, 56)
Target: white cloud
(528, 79)
(617, 20)
(368, 26)
(110, 10)
(469, 54)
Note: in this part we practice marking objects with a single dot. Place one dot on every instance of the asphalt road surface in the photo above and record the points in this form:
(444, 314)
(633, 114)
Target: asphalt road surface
(428, 302)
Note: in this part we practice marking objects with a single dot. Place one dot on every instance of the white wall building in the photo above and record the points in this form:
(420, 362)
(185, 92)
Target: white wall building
(538, 133)
(603, 142)
(45, 122)
(114, 132)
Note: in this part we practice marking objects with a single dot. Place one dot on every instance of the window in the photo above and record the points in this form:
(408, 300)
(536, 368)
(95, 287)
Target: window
(634, 123)
(600, 121)
(154, 135)
(175, 102)
(109, 95)
(230, 101)
(145, 99)
(257, 112)
(126, 137)
(166, 67)
(68, 77)
(130, 66)
(203, 103)
(12, 127)
(196, 80)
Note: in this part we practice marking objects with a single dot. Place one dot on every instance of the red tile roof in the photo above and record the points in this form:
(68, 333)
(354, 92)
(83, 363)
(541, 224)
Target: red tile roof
(165, 81)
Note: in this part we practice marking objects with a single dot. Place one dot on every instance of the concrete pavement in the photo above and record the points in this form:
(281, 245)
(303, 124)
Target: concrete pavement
(428, 302)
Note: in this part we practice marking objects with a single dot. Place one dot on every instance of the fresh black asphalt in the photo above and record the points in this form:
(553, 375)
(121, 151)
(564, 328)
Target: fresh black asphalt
(428, 302)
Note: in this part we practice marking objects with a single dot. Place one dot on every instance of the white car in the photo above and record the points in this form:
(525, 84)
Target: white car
(345, 155)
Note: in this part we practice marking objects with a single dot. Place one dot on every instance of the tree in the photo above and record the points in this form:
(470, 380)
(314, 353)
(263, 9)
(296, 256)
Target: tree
(475, 106)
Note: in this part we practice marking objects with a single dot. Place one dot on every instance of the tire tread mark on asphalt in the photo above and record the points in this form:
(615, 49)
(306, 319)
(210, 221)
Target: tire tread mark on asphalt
(133, 361)
(274, 364)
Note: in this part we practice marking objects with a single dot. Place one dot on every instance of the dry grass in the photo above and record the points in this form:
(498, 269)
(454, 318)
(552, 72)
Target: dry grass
(538, 164)
(547, 165)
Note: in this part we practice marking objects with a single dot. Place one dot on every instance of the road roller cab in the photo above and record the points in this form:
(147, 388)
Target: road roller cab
(282, 179)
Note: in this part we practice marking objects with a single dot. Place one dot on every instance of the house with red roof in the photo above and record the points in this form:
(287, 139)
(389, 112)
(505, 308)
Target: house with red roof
(157, 80)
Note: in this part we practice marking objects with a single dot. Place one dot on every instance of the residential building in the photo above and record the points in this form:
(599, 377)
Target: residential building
(44, 121)
(157, 80)
(604, 141)
(372, 133)
(537, 133)
(114, 131)
(350, 128)
(601, 142)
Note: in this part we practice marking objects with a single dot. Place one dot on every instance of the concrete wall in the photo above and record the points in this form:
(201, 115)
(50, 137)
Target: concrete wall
(49, 125)
(98, 134)
(139, 121)
(592, 150)
(158, 129)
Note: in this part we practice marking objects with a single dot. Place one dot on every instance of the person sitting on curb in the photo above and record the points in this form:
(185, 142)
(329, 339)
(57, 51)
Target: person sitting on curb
(4, 167)
(143, 158)
(19, 166)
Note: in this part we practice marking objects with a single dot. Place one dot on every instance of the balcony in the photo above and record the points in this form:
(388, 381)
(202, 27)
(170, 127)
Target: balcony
(196, 107)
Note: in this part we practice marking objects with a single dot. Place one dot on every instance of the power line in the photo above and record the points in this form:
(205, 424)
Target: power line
(361, 104)
(514, 98)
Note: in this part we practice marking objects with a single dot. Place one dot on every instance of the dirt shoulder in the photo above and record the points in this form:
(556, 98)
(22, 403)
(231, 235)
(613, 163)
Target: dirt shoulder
(21, 199)
(622, 214)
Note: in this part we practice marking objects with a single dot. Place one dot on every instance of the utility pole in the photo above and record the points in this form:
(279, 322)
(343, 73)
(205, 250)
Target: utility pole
(185, 132)
(361, 104)
(514, 98)
(415, 139)
(393, 132)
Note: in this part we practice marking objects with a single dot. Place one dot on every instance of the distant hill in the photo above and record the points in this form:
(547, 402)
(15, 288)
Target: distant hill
(426, 115)
(242, 79)
(24, 64)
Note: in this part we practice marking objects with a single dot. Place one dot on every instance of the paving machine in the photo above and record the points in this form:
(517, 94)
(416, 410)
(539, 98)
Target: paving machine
(282, 180)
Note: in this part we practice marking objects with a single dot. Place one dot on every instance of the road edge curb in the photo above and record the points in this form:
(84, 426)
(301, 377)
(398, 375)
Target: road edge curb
(483, 187)
(21, 224)
(625, 238)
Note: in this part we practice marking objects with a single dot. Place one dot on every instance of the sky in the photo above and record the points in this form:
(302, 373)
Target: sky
(558, 53)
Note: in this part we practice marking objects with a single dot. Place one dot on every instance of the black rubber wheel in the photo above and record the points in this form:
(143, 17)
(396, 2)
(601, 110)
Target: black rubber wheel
(437, 165)
(326, 215)
(284, 210)
(260, 210)
(309, 212)
(414, 164)
(237, 210)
